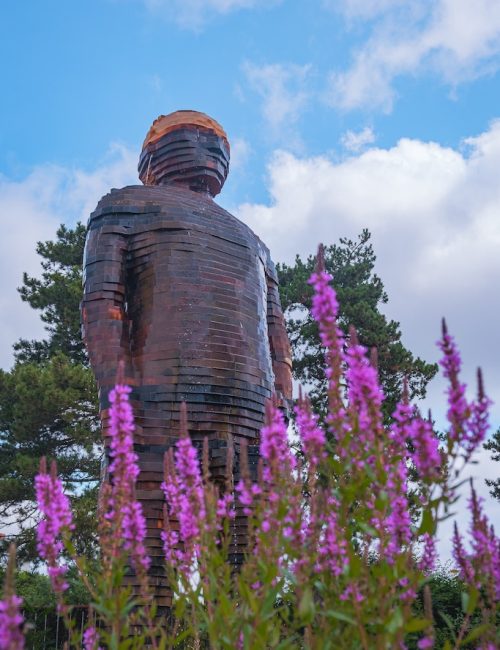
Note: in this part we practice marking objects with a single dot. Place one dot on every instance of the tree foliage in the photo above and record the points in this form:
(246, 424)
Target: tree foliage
(48, 401)
(361, 295)
(493, 445)
(57, 296)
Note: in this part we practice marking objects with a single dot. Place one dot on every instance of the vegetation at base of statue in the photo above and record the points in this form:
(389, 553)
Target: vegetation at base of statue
(48, 401)
(334, 558)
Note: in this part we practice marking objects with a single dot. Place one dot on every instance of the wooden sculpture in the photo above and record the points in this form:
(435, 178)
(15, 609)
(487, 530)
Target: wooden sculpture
(186, 296)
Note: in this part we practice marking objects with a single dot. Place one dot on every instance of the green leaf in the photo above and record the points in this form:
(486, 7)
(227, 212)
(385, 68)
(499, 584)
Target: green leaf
(354, 565)
(417, 624)
(475, 633)
(183, 635)
(307, 608)
(427, 524)
(397, 621)
(449, 624)
(469, 601)
(331, 613)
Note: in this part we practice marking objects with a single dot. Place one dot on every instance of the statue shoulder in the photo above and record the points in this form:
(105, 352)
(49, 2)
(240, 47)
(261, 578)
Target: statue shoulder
(251, 237)
(123, 200)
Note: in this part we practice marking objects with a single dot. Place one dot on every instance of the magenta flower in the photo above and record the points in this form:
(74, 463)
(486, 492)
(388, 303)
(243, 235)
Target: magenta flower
(91, 639)
(364, 393)
(124, 470)
(325, 310)
(426, 456)
(332, 547)
(485, 546)
(225, 507)
(458, 410)
(134, 535)
(407, 593)
(428, 558)
(123, 466)
(185, 500)
(245, 496)
(11, 620)
(478, 424)
(274, 448)
(398, 520)
(398, 523)
(57, 519)
(469, 422)
(461, 558)
(400, 430)
(311, 435)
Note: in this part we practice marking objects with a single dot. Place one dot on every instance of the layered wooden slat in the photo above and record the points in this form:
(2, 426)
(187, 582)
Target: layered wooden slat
(186, 296)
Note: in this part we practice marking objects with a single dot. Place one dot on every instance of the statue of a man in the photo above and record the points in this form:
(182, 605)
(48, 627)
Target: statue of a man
(186, 296)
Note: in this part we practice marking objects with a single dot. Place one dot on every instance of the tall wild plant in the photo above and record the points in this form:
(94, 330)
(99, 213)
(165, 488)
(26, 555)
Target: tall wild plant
(340, 540)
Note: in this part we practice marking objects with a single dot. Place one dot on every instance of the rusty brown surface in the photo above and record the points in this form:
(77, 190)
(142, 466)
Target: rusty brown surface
(166, 123)
(186, 296)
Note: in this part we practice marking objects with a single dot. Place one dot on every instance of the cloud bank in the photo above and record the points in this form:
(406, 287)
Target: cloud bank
(434, 213)
(458, 40)
(31, 210)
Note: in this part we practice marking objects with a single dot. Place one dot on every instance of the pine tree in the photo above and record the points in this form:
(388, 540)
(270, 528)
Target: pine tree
(361, 293)
(48, 404)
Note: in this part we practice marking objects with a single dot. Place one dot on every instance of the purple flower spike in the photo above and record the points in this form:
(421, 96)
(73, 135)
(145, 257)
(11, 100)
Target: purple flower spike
(364, 392)
(91, 639)
(274, 447)
(426, 456)
(325, 310)
(11, 620)
(461, 558)
(123, 466)
(458, 411)
(124, 469)
(429, 554)
(332, 548)
(54, 505)
(312, 436)
(485, 545)
(479, 419)
(185, 499)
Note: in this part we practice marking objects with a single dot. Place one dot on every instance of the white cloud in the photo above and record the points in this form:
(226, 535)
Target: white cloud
(30, 211)
(192, 14)
(458, 39)
(434, 213)
(355, 141)
(283, 89)
(240, 153)
(364, 8)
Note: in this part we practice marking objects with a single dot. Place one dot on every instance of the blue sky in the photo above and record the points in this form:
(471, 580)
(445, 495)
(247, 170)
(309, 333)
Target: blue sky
(77, 76)
(342, 114)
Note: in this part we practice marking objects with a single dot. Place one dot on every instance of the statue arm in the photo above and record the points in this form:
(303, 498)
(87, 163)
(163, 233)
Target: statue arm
(278, 342)
(104, 320)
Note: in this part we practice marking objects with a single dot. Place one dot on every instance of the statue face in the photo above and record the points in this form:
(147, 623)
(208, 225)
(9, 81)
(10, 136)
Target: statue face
(190, 155)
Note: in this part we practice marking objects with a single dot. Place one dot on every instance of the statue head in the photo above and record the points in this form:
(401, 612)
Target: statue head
(186, 148)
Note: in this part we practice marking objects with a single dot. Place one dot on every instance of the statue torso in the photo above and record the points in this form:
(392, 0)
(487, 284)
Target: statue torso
(195, 301)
